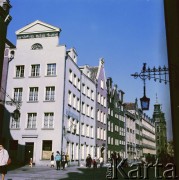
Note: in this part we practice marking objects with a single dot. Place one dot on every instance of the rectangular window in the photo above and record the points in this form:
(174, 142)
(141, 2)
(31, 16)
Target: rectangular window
(87, 110)
(83, 129)
(33, 94)
(98, 115)
(101, 134)
(15, 124)
(78, 84)
(88, 92)
(102, 84)
(46, 149)
(104, 102)
(104, 118)
(18, 94)
(78, 104)
(20, 71)
(87, 130)
(76, 154)
(75, 80)
(98, 133)
(74, 101)
(98, 98)
(92, 112)
(92, 94)
(104, 134)
(50, 93)
(109, 126)
(82, 152)
(31, 122)
(48, 120)
(83, 107)
(101, 100)
(83, 89)
(92, 133)
(70, 75)
(35, 70)
(69, 98)
(51, 69)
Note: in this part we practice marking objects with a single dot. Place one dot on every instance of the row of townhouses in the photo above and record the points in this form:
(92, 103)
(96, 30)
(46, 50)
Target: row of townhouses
(68, 108)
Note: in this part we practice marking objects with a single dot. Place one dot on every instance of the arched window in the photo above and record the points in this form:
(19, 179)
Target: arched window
(36, 46)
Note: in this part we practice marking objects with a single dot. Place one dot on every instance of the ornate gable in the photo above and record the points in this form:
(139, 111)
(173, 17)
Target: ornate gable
(37, 29)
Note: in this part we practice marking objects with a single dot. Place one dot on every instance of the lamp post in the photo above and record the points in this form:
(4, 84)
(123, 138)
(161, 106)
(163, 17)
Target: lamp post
(148, 73)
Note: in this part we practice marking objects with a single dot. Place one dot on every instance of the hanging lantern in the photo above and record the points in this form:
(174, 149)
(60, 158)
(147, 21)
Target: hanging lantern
(16, 114)
(145, 102)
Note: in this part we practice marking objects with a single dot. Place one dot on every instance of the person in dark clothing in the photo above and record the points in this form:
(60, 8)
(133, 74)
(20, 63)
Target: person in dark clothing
(52, 160)
(88, 161)
(64, 160)
(58, 159)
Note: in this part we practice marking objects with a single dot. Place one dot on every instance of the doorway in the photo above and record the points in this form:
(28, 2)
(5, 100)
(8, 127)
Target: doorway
(29, 151)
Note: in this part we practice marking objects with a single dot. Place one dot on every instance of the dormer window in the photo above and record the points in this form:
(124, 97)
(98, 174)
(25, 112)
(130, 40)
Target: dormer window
(36, 46)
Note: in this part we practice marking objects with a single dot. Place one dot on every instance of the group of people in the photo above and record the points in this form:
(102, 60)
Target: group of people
(60, 159)
(94, 161)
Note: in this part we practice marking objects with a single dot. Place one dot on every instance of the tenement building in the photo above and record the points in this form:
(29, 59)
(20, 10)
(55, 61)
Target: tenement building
(116, 121)
(57, 100)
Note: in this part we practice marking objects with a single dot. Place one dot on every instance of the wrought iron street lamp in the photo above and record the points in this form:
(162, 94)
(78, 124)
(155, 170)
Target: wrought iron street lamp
(148, 73)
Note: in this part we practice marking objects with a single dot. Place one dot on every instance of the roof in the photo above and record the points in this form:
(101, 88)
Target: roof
(94, 71)
(130, 106)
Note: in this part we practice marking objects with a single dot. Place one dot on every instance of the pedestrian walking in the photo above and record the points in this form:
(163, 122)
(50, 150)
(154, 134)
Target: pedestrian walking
(58, 159)
(68, 159)
(64, 160)
(88, 161)
(4, 157)
(52, 160)
(101, 161)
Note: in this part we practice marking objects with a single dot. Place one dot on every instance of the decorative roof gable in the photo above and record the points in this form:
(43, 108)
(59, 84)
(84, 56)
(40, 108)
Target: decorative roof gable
(37, 27)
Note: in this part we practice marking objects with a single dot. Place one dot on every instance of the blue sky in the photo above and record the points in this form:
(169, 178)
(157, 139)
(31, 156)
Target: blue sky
(126, 33)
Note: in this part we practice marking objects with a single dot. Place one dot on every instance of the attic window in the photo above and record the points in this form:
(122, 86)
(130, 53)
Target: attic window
(36, 46)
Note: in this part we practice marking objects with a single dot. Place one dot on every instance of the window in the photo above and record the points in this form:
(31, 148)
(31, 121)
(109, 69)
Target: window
(36, 46)
(109, 142)
(104, 102)
(87, 130)
(46, 149)
(33, 94)
(104, 118)
(78, 104)
(98, 133)
(102, 84)
(35, 70)
(92, 133)
(48, 120)
(74, 101)
(88, 92)
(82, 152)
(83, 129)
(98, 98)
(104, 134)
(101, 135)
(109, 126)
(50, 93)
(51, 69)
(101, 100)
(83, 107)
(69, 98)
(98, 115)
(70, 75)
(31, 122)
(74, 80)
(20, 71)
(76, 154)
(18, 94)
(92, 94)
(78, 84)
(15, 124)
(87, 110)
(92, 112)
(83, 89)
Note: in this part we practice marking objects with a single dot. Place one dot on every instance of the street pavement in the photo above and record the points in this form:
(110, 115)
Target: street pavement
(48, 173)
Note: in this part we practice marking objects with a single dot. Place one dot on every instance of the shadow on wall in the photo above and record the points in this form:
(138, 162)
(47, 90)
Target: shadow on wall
(15, 150)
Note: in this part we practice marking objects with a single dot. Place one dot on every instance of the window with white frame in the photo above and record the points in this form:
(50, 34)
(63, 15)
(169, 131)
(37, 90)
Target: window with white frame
(87, 110)
(78, 85)
(15, 124)
(87, 131)
(78, 104)
(92, 151)
(31, 121)
(83, 107)
(18, 94)
(102, 84)
(92, 112)
(88, 92)
(74, 80)
(70, 76)
(104, 134)
(109, 140)
(74, 101)
(48, 120)
(101, 116)
(98, 133)
(99, 98)
(69, 98)
(92, 94)
(104, 102)
(101, 132)
(87, 149)
(92, 133)
(112, 141)
(77, 127)
(51, 69)
(82, 152)
(50, 93)
(104, 121)
(112, 127)
(98, 115)
(109, 125)
(83, 88)
(83, 129)
(35, 70)
(109, 111)
(33, 93)
(76, 152)
(20, 71)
